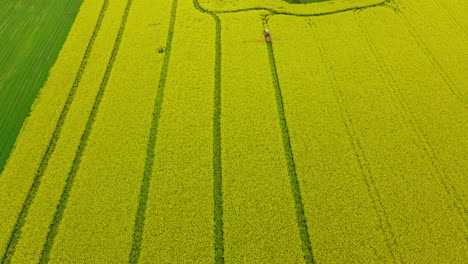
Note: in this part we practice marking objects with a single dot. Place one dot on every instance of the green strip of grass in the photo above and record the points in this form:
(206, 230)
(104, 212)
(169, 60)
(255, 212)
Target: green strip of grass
(32, 34)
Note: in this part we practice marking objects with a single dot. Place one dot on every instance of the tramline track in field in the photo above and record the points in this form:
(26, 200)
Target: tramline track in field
(426, 147)
(146, 179)
(15, 235)
(295, 186)
(301, 219)
(53, 230)
(301, 159)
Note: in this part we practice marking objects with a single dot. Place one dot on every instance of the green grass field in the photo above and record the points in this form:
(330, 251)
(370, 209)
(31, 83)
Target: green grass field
(32, 34)
(173, 132)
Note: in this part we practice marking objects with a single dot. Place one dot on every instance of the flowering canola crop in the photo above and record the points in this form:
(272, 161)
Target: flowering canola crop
(174, 132)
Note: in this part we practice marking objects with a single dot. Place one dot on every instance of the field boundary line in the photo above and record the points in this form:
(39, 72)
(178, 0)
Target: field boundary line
(273, 12)
(426, 147)
(16, 233)
(134, 255)
(58, 216)
(366, 171)
(301, 218)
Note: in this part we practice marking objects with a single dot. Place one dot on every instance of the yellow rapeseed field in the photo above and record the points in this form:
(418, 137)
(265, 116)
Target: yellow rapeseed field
(437, 187)
(285, 6)
(176, 132)
(258, 207)
(179, 218)
(118, 136)
(344, 225)
(31, 146)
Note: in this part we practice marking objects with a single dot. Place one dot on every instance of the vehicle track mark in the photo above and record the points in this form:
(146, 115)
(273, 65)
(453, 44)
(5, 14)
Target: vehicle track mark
(422, 141)
(217, 158)
(460, 28)
(449, 82)
(58, 216)
(146, 181)
(217, 162)
(293, 179)
(16, 233)
(364, 165)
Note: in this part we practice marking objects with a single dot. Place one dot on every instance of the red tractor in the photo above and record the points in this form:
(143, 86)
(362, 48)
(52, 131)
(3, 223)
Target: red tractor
(267, 35)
